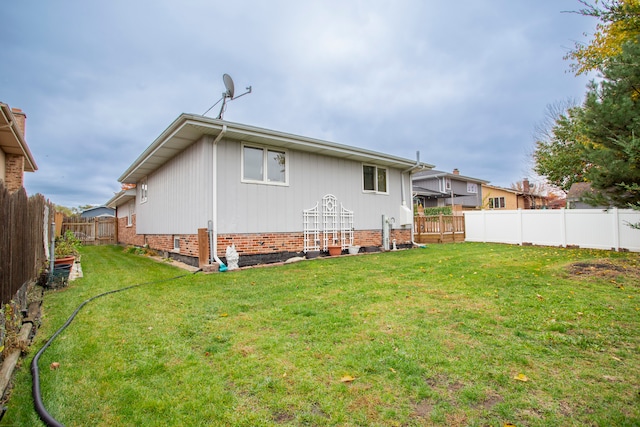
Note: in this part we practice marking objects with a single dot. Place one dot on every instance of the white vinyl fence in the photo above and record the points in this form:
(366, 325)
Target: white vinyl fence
(586, 228)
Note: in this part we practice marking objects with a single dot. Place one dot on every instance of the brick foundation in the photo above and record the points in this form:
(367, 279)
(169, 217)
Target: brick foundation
(253, 248)
(127, 233)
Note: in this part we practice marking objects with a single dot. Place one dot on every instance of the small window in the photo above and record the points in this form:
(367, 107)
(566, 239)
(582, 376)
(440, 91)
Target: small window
(264, 166)
(176, 244)
(447, 184)
(472, 187)
(374, 179)
(497, 203)
(144, 190)
(131, 210)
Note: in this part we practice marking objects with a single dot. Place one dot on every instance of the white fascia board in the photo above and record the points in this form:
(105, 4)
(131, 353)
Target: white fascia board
(147, 161)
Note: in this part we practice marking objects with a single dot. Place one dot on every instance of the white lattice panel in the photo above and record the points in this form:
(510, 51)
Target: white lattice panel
(332, 225)
(311, 220)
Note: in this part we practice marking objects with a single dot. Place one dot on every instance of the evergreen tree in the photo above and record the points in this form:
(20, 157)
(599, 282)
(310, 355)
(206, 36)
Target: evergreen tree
(611, 120)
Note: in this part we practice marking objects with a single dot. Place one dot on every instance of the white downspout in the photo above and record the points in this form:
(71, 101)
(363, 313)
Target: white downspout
(215, 196)
(404, 199)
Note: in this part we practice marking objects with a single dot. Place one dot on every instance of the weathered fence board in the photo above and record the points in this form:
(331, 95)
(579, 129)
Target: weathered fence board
(92, 231)
(22, 248)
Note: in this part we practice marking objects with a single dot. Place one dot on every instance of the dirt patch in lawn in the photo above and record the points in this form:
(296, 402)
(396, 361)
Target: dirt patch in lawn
(606, 268)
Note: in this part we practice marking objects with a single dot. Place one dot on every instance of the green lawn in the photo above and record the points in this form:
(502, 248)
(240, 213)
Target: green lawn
(433, 336)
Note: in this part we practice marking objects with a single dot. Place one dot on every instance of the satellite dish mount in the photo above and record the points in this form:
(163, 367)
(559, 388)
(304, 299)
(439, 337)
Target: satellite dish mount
(228, 95)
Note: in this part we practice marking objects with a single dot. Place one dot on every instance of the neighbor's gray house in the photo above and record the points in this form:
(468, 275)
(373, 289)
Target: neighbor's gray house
(434, 188)
(270, 194)
(98, 211)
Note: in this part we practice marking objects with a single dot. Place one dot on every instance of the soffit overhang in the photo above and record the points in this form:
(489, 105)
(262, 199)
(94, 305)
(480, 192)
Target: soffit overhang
(189, 128)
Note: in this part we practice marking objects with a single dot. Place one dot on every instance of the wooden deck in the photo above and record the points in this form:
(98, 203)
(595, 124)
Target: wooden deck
(439, 229)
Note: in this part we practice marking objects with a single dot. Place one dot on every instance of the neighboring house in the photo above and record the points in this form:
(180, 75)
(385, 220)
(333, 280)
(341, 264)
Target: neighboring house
(528, 199)
(98, 211)
(576, 194)
(15, 156)
(501, 198)
(268, 193)
(433, 188)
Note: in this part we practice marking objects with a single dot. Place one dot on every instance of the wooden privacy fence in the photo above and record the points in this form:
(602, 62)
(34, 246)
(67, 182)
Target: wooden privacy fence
(438, 228)
(24, 224)
(92, 231)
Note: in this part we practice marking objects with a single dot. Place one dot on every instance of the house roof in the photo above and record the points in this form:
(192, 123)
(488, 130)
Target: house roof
(12, 140)
(578, 190)
(121, 198)
(439, 174)
(189, 128)
(421, 191)
(516, 192)
(508, 190)
(96, 208)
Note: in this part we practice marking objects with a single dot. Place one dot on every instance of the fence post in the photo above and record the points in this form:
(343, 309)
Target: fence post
(563, 227)
(484, 226)
(441, 225)
(520, 226)
(616, 229)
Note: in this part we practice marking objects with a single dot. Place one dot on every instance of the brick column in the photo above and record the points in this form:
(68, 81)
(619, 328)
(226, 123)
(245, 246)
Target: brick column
(14, 172)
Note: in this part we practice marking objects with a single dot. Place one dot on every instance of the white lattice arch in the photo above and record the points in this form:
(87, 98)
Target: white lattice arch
(333, 223)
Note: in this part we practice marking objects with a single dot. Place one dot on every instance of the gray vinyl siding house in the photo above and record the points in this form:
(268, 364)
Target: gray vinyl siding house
(433, 188)
(98, 211)
(254, 184)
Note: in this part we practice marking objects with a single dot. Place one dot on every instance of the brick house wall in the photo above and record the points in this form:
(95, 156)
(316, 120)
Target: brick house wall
(255, 245)
(14, 163)
(127, 233)
(14, 172)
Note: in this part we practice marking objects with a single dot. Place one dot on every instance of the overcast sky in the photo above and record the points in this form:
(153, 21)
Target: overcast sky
(464, 82)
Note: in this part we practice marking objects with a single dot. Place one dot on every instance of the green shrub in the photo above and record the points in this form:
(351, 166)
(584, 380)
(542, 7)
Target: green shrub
(67, 245)
(444, 210)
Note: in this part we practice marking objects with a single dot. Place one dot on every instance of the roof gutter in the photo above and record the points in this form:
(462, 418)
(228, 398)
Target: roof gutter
(17, 133)
(416, 166)
(404, 207)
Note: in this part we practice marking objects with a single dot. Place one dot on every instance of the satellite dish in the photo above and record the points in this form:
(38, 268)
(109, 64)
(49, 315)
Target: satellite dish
(229, 94)
(228, 83)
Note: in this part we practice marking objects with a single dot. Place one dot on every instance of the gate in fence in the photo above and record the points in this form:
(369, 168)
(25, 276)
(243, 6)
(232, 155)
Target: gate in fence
(93, 231)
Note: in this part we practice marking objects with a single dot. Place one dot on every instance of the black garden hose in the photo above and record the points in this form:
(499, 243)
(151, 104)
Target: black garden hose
(45, 416)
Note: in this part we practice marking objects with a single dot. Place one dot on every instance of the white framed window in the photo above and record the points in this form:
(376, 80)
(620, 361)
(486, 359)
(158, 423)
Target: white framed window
(374, 179)
(261, 165)
(176, 244)
(144, 190)
(472, 188)
(497, 203)
(130, 213)
(445, 185)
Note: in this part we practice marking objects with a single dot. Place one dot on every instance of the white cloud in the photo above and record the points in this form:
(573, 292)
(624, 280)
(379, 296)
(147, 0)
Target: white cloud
(463, 82)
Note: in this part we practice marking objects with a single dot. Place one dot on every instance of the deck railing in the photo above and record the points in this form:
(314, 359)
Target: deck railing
(438, 228)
